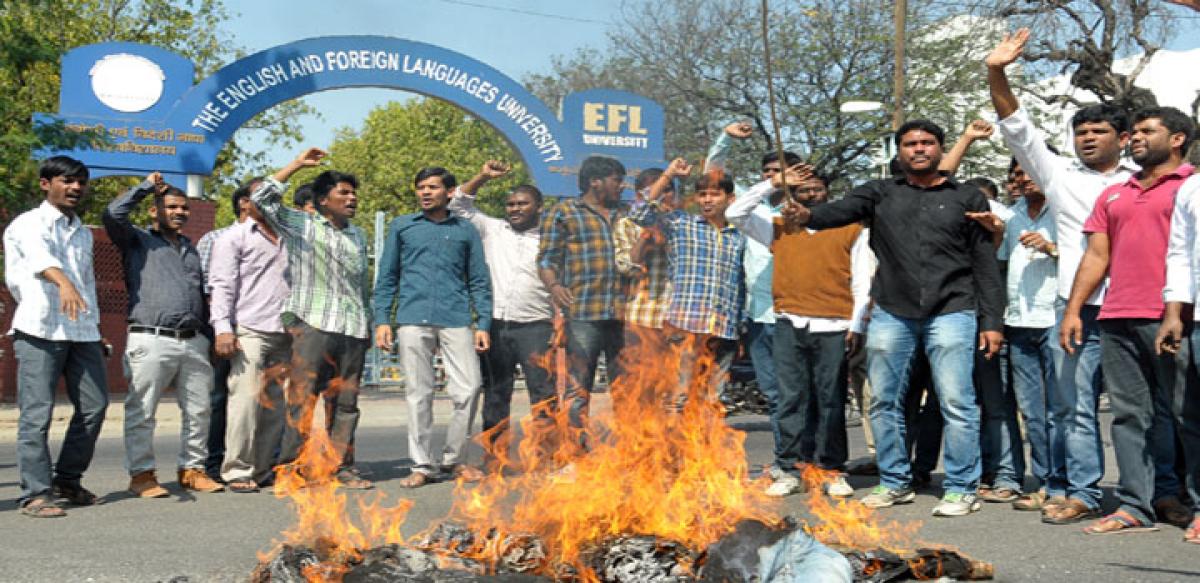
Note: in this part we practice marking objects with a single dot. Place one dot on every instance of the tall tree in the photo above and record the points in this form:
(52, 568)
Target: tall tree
(34, 34)
(1084, 38)
(703, 60)
(398, 139)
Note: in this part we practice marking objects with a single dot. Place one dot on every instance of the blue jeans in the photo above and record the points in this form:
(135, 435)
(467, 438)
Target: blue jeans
(760, 340)
(1073, 407)
(40, 364)
(1002, 455)
(949, 341)
(585, 341)
(1031, 351)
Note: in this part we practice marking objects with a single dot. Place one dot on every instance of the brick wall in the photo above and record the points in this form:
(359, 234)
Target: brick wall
(110, 293)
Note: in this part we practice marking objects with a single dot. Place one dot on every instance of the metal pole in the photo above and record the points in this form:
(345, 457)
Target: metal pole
(195, 186)
(901, 12)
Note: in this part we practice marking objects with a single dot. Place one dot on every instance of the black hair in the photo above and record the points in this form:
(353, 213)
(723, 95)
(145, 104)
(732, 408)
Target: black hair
(1101, 113)
(894, 168)
(244, 191)
(722, 181)
(169, 190)
(598, 168)
(326, 181)
(448, 179)
(529, 189)
(304, 195)
(1175, 121)
(62, 166)
(789, 158)
(983, 184)
(646, 178)
(922, 125)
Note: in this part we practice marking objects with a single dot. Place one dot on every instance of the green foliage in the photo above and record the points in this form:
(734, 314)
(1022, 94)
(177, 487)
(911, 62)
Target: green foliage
(400, 138)
(34, 34)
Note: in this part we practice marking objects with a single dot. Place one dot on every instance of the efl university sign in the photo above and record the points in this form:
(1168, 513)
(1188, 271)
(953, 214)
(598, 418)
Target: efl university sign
(144, 99)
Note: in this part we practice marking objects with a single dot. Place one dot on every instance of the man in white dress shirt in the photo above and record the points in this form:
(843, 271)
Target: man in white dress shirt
(521, 325)
(56, 333)
(1071, 187)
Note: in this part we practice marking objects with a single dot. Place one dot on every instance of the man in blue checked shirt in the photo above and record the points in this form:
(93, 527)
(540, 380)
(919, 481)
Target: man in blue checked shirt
(707, 289)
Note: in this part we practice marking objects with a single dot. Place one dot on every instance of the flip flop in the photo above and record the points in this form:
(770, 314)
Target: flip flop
(1119, 522)
(42, 507)
(1192, 534)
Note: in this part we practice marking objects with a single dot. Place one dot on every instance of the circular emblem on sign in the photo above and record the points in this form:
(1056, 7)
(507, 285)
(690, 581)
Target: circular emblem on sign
(128, 83)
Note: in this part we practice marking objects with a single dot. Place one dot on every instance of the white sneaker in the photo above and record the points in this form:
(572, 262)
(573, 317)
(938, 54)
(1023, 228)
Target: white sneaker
(785, 485)
(839, 488)
(957, 504)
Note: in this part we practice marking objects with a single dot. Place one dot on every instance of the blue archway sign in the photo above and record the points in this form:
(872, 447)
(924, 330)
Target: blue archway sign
(144, 98)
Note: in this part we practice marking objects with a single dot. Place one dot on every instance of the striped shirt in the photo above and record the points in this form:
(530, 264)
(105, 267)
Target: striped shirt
(205, 247)
(649, 289)
(577, 244)
(707, 285)
(329, 268)
(41, 239)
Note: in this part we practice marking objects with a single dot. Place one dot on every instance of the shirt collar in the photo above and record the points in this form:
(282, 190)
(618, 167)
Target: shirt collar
(1182, 172)
(1021, 209)
(450, 218)
(52, 214)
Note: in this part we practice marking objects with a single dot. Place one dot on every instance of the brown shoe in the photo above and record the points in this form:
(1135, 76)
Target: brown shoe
(1171, 511)
(145, 485)
(196, 480)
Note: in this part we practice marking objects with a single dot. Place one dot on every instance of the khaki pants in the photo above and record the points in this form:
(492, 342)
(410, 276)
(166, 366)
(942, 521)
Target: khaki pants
(255, 410)
(416, 345)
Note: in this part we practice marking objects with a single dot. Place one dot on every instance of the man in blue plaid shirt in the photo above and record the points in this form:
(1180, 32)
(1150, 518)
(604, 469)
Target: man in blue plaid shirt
(707, 286)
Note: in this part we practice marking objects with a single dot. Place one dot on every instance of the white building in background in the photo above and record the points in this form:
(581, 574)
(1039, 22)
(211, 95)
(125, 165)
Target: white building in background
(1172, 76)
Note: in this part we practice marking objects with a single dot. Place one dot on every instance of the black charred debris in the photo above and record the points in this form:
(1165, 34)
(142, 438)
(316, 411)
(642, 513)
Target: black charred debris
(443, 555)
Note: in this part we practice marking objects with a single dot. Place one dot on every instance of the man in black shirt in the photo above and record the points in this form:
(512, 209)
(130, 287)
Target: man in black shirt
(937, 266)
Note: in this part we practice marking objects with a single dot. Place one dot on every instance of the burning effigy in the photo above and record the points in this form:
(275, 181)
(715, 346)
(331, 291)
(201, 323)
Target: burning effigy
(662, 492)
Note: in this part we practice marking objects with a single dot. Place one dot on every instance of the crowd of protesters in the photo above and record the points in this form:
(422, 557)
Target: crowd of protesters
(986, 328)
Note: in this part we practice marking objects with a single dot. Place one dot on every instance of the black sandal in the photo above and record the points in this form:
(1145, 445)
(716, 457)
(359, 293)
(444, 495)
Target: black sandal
(74, 493)
(42, 507)
(242, 486)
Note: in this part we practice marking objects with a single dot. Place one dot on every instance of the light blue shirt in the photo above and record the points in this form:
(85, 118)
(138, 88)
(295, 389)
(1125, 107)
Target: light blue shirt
(1032, 275)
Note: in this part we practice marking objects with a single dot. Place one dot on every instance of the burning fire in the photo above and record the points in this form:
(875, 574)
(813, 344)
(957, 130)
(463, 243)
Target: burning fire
(653, 468)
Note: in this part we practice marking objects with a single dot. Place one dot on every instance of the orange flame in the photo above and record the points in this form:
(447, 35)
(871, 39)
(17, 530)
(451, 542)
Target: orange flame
(324, 522)
(652, 469)
(848, 523)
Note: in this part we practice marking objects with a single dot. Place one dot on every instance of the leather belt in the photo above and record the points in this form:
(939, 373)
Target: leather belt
(168, 332)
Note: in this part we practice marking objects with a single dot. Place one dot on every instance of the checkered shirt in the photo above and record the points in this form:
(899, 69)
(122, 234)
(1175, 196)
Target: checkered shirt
(577, 243)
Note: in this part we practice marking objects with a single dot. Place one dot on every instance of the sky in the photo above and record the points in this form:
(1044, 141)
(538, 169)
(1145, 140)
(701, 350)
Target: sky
(517, 37)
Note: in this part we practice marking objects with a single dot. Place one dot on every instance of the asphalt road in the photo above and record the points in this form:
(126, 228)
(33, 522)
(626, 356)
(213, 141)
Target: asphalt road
(216, 537)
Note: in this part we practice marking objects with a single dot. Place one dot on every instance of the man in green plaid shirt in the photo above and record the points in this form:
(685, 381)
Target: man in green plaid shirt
(327, 310)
